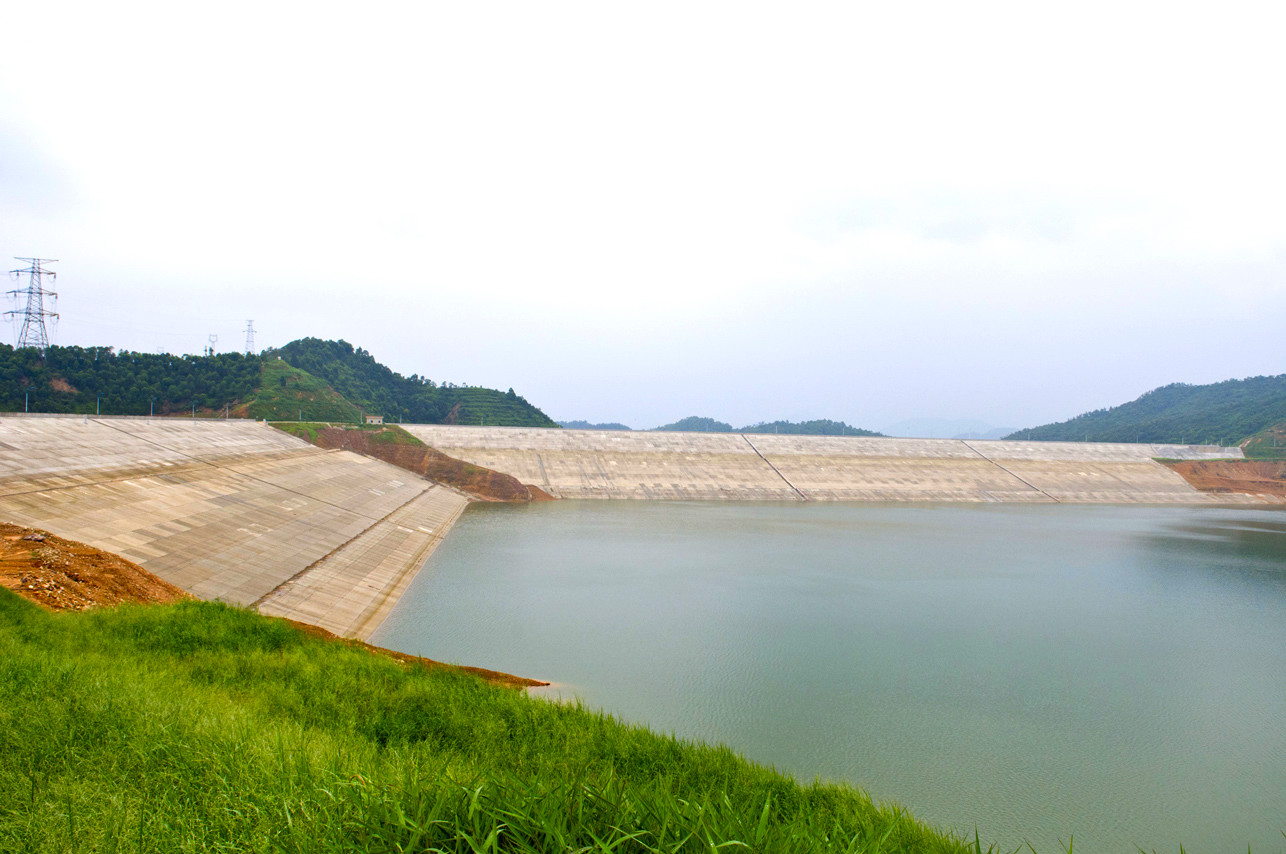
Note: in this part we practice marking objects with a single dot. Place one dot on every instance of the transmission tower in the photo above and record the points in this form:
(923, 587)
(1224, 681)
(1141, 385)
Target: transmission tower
(250, 337)
(33, 332)
(209, 349)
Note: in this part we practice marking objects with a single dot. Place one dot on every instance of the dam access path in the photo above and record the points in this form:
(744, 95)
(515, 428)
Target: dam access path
(230, 510)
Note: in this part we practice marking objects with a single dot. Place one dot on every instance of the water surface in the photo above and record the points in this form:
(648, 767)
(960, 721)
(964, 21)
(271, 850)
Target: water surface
(1117, 673)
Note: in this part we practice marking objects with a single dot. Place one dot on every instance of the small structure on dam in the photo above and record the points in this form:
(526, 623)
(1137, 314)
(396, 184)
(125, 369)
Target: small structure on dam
(735, 466)
(230, 510)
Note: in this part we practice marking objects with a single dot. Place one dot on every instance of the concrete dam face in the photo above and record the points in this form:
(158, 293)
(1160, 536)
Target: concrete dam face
(733, 466)
(230, 510)
(243, 513)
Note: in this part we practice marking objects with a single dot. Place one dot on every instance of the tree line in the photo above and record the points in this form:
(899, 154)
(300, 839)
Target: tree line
(100, 379)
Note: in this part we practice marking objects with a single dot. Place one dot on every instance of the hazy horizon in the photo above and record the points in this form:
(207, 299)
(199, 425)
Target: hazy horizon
(998, 213)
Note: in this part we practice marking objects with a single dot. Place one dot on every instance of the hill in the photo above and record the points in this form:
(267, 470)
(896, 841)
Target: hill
(289, 394)
(378, 390)
(697, 424)
(1220, 413)
(585, 425)
(819, 427)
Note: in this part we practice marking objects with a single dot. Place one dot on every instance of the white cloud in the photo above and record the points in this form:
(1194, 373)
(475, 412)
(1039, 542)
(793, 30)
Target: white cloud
(702, 178)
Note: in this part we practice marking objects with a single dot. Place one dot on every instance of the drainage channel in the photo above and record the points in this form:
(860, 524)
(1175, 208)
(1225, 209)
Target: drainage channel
(802, 496)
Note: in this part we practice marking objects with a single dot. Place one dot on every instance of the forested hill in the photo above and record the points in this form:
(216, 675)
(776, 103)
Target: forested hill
(378, 390)
(92, 379)
(818, 427)
(1220, 413)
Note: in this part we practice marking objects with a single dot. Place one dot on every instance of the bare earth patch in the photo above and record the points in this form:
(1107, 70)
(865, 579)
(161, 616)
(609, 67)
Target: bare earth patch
(68, 576)
(1252, 477)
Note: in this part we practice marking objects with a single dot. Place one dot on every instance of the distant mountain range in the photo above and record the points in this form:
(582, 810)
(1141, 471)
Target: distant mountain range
(946, 428)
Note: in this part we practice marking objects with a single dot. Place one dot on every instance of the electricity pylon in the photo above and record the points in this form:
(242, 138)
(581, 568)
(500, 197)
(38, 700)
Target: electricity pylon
(34, 333)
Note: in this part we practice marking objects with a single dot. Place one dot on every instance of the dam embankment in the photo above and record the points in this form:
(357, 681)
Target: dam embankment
(230, 510)
(767, 467)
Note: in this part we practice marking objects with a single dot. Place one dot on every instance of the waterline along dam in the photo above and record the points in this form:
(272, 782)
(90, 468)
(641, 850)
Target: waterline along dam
(243, 513)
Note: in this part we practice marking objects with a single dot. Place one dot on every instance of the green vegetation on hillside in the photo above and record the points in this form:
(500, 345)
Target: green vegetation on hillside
(1267, 444)
(287, 393)
(81, 379)
(380, 434)
(585, 425)
(378, 390)
(1219, 413)
(819, 427)
(200, 728)
(697, 424)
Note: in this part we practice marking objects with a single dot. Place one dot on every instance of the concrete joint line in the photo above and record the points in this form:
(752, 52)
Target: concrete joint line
(230, 467)
(339, 548)
(374, 615)
(802, 496)
(1008, 472)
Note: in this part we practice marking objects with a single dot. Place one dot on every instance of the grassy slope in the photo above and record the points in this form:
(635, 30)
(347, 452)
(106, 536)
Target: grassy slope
(199, 727)
(285, 392)
(1267, 444)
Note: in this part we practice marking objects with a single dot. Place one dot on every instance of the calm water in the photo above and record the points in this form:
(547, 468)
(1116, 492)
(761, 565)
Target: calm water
(1116, 673)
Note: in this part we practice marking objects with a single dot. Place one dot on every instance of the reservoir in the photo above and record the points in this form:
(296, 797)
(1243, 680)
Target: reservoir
(1113, 673)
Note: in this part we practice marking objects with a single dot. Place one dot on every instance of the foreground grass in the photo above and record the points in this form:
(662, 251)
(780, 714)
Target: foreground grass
(197, 727)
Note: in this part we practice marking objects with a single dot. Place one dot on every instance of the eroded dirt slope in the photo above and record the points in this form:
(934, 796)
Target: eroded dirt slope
(1252, 477)
(482, 483)
(68, 576)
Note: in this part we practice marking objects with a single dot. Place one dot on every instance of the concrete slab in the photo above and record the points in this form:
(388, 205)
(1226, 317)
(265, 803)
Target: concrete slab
(730, 466)
(226, 510)
(351, 590)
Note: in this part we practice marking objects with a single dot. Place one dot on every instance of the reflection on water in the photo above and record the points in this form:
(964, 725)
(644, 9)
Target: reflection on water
(1117, 673)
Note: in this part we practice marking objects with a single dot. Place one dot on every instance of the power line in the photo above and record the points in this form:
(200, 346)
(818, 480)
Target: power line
(34, 333)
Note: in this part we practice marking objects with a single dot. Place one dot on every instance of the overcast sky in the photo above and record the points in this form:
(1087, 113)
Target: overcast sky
(869, 212)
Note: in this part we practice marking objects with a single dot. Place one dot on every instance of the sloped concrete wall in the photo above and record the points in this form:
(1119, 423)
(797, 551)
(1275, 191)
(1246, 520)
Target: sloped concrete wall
(229, 510)
(723, 466)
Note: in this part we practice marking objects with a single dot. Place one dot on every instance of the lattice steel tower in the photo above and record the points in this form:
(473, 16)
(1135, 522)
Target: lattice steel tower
(34, 333)
(250, 337)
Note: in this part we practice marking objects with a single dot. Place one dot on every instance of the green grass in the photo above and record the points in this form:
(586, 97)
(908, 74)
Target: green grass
(1267, 444)
(198, 727)
(391, 434)
(287, 393)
